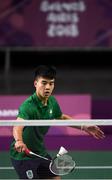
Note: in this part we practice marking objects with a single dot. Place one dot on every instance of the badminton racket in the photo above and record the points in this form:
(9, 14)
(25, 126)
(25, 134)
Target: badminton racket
(61, 165)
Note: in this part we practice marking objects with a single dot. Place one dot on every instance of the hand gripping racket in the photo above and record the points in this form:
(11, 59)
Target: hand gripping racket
(62, 164)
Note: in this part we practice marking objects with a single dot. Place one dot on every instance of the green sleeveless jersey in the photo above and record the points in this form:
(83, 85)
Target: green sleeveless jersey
(33, 136)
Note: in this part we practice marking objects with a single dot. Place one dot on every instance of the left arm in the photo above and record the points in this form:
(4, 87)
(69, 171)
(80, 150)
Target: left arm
(65, 116)
(95, 131)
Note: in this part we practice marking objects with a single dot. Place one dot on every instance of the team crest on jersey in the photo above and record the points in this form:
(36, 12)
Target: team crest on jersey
(29, 174)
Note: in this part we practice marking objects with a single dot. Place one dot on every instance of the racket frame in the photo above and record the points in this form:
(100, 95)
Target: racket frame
(28, 152)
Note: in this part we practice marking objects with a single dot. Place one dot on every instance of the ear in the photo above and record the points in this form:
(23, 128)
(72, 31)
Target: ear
(35, 83)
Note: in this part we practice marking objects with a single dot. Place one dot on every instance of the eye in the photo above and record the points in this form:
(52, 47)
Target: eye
(52, 83)
(44, 83)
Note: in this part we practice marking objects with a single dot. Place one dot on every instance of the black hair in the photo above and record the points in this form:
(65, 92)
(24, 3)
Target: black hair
(45, 71)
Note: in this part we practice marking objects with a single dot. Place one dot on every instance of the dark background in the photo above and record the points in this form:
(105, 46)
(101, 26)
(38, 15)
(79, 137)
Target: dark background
(78, 71)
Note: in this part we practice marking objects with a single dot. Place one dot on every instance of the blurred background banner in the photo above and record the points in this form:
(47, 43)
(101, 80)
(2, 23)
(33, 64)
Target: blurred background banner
(56, 23)
(78, 106)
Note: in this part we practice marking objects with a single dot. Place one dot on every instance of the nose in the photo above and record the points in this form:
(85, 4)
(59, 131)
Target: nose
(47, 86)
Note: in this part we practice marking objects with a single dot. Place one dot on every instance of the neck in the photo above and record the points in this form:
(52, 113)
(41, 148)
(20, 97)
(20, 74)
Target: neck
(43, 99)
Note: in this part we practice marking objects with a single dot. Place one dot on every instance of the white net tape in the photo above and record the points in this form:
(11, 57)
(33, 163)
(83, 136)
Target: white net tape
(71, 122)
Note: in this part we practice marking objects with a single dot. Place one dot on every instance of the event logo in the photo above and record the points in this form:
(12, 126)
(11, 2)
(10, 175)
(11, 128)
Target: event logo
(62, 18)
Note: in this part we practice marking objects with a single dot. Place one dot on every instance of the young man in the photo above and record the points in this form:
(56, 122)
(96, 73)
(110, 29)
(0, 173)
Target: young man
(41, 105)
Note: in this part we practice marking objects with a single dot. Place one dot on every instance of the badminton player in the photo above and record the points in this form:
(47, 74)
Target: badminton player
(40, 105)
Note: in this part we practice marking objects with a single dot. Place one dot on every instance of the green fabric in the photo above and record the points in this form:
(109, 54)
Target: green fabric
(33, 136)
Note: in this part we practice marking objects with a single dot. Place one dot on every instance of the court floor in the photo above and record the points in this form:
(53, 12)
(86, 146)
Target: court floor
(91, 165)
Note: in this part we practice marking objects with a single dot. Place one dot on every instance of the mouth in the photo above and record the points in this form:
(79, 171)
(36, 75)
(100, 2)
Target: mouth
(47, 93)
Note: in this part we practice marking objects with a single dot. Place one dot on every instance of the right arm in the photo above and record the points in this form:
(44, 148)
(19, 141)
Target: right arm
(17, 133)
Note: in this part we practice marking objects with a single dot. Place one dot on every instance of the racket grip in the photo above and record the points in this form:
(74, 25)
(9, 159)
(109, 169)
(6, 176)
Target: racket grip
(27, 151)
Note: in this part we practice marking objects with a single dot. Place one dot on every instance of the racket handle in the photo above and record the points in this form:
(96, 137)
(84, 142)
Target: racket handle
(27, 151)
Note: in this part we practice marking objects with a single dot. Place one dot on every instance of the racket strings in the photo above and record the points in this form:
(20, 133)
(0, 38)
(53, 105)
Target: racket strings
(62, 165)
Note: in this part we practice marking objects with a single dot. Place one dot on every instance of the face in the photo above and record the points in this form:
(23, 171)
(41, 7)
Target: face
(44, 87)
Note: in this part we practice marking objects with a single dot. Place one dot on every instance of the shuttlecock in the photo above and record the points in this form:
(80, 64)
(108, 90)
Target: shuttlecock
(62, 151)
